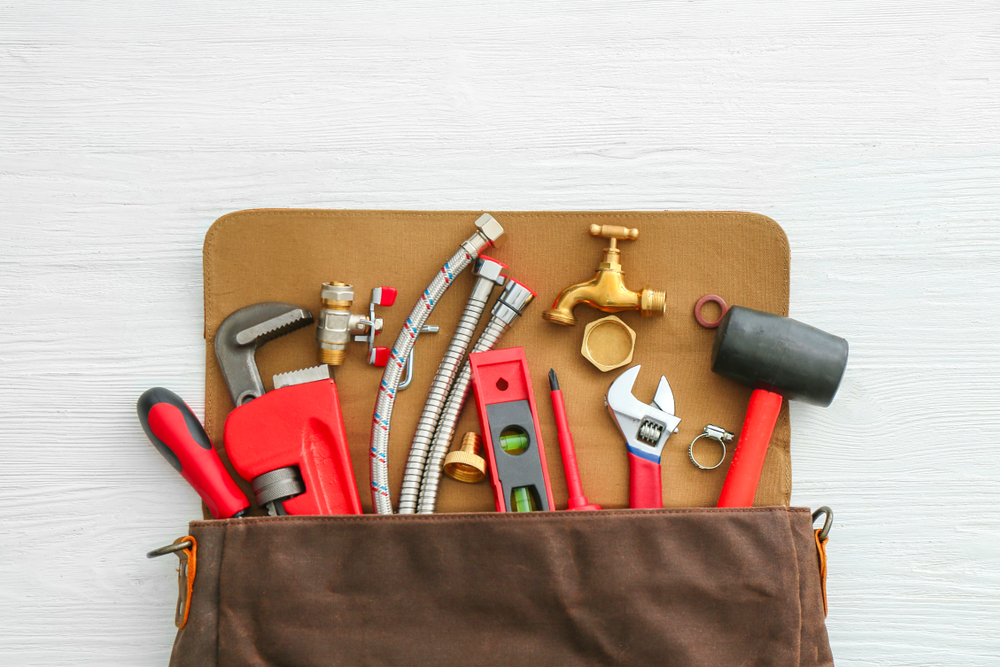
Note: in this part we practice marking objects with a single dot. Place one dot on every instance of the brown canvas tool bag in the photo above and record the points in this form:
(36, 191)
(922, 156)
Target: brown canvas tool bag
(619, 587)
(688, 585)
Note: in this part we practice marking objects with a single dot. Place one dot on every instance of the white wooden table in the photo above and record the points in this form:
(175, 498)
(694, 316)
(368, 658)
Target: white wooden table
(870, 131)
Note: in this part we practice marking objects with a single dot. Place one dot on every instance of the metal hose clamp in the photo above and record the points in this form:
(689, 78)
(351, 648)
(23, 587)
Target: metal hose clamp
(712, 432)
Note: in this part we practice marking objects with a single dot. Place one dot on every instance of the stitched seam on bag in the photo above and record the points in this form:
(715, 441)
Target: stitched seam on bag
(798, 584)
(218, 599)
(558, 517)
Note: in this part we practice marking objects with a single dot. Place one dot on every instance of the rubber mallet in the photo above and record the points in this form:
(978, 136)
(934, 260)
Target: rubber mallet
(780, 358)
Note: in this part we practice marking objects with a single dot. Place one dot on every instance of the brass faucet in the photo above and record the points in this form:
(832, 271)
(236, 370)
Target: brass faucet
(606, 290)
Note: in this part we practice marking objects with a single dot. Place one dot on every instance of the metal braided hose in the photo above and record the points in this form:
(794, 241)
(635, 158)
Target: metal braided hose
(488, 232)
(488, 272)
(511, 303)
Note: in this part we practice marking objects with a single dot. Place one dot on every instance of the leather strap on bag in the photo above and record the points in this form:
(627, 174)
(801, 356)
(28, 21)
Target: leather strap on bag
(185, 579)
(821, 552)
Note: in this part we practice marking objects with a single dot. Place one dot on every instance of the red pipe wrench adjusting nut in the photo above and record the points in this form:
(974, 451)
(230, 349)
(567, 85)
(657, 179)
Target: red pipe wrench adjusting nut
(645, 428)
(178, 435)
(297, 426)
(509, 420)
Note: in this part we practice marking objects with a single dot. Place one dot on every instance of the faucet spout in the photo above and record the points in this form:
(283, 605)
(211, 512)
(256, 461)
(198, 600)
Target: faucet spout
(606, 291)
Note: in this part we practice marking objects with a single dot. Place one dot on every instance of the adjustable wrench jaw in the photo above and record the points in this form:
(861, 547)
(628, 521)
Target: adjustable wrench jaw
(645, 428)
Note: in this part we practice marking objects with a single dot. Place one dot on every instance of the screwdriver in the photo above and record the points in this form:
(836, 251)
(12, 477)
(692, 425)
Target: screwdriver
(174, 430)
(577, 501)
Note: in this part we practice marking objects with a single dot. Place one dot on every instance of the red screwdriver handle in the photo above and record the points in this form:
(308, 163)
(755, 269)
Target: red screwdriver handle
(748, 459)
(645, 488)
(179, 436)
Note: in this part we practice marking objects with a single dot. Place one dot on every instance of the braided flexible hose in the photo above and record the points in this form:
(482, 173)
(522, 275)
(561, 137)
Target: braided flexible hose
(489, 231)
(511, 303)
(488, 272)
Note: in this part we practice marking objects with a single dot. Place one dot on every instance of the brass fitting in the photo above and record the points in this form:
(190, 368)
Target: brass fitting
(336, 323)
(606, 290)
(608, 343)
(465, 464)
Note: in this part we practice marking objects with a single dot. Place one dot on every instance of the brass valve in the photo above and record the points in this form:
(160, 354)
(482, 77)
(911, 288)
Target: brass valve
(606, 290)
(336, 323)
(465, 464)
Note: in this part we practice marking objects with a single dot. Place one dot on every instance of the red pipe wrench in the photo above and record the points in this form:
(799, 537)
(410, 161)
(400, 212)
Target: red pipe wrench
(289, 443)
(646, 429)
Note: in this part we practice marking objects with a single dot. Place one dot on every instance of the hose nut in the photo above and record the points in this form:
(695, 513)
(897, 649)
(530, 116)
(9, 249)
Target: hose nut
(491, 230)
(608, 343)
(512, 301)
(465, 464)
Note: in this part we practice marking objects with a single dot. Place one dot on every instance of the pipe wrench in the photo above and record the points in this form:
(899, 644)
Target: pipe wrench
(289, 443)
(645, 429)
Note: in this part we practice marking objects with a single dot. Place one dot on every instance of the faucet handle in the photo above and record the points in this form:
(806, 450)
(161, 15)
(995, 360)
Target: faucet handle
(614, 232)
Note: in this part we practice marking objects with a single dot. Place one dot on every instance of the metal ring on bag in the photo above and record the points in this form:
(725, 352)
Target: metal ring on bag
(170, 548)
(827, 525)
(712, 432)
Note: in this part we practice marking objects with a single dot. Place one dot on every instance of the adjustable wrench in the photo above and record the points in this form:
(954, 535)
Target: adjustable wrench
(289, 443)
(646, 429)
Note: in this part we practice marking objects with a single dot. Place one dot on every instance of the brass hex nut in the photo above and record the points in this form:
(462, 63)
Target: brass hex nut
(608, 343)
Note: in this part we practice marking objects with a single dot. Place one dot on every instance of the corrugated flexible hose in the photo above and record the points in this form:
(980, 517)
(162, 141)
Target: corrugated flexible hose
(488, 276)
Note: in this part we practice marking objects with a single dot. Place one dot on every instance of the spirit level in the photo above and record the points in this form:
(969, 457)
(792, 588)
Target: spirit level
(506, 405)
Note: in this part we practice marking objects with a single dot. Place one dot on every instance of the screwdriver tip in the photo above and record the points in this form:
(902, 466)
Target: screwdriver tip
(553, 380)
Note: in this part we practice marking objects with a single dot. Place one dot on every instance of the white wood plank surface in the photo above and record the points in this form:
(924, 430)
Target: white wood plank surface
(870, 131)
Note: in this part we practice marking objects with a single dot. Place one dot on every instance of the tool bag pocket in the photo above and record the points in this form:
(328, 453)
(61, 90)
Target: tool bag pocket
(619, 587)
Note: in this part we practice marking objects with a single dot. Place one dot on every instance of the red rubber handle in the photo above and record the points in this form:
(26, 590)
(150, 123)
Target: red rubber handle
(645, 490)
(748, 459)
(178, 435)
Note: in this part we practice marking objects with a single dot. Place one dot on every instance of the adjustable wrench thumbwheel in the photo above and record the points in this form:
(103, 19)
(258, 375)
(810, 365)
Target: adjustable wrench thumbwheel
(645, 428)
(244, 331)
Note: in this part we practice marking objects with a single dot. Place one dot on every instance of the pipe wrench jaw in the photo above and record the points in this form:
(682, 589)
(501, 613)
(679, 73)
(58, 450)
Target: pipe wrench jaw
(240, 335)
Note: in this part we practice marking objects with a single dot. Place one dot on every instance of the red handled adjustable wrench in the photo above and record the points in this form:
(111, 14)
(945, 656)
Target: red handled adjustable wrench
(290, 443)
(646, 429)
(179, 436)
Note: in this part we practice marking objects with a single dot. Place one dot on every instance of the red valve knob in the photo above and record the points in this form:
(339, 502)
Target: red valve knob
(383, 296)
(379, 356)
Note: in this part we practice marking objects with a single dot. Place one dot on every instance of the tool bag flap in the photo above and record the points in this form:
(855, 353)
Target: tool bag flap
(285, 255)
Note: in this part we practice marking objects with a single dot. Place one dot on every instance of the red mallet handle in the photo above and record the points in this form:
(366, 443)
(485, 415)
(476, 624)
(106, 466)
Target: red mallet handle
(577, 501)
(748, 459)
(178, 435)
(645, 490)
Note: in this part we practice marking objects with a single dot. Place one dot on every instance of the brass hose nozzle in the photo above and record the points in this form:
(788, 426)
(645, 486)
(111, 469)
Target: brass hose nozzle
(465, 464)
(606, 290)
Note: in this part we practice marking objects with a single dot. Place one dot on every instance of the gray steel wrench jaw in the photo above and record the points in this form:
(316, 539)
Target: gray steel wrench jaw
(244, 331)
(631, 415)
